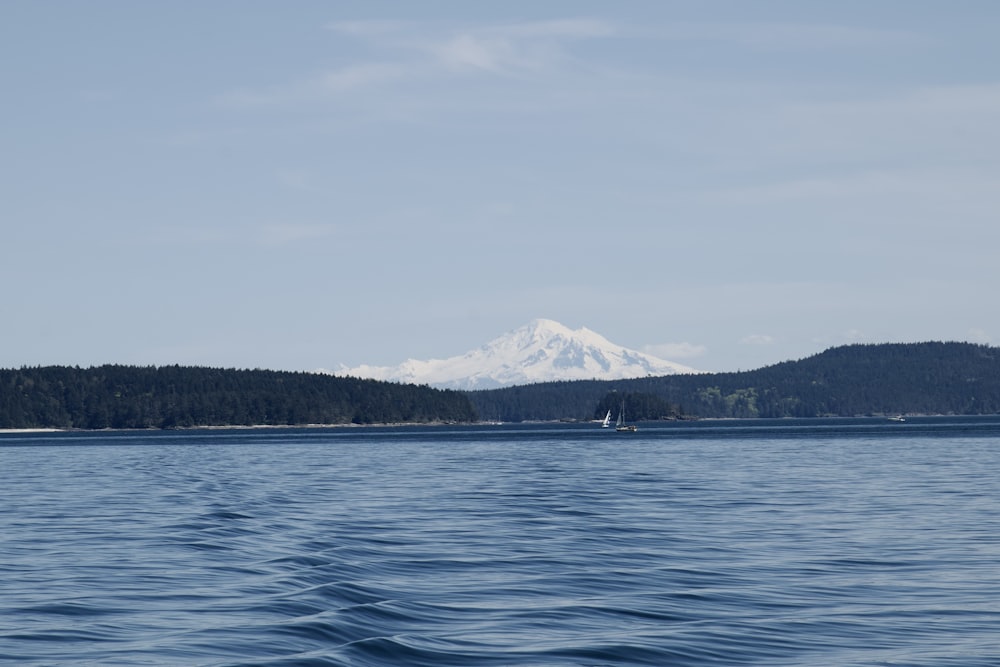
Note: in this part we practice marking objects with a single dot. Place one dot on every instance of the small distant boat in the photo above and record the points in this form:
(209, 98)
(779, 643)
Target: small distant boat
(607, 420)
(620, 425)
(897, 418)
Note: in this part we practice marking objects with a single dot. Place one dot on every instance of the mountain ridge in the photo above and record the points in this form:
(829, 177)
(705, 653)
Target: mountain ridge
(542, 350)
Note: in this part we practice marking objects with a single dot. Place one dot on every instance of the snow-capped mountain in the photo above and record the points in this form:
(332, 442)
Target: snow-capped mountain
(540, 351)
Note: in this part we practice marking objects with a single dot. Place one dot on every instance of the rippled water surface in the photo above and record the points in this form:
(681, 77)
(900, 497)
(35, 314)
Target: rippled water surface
(840, 542)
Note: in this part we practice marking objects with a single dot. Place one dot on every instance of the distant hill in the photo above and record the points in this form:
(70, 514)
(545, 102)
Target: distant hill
(888, 379)
(178, 396)
(854, 380)
(540, 351)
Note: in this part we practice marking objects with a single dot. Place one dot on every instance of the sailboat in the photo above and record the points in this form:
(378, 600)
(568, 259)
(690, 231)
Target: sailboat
(607, 420)
(620, 425)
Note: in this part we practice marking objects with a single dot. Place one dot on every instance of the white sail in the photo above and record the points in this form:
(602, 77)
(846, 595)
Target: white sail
(620, 425)
(607, 420)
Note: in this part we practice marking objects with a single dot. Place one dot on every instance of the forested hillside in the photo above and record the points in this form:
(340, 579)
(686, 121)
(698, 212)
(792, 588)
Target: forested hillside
(911, 378)
(177, 396)
(903, 378)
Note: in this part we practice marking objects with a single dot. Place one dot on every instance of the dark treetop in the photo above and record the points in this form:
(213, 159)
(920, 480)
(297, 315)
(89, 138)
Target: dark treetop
(178, 396)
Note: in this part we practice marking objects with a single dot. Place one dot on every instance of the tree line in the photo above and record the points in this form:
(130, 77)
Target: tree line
(127, 397)
(853, 380)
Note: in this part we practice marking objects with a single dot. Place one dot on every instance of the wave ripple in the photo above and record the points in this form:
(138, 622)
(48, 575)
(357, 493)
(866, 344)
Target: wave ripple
(542, 546)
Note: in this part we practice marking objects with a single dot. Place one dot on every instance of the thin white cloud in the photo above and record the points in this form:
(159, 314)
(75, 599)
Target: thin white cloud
(766, 35)
(518, 46)
(477, 52)
(757, 339)
(425, 49)
(672, 351)
(977, 335)
(397, 30)
(846, 337)
(316, 88)
(408, 50)
(355, 76)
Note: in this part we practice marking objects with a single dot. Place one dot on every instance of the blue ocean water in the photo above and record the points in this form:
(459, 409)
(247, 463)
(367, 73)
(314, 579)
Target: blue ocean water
(820, 542)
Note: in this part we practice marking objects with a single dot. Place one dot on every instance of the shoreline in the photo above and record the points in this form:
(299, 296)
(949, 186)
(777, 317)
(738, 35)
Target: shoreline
(15, 431)
(231, 427)
(31, 430)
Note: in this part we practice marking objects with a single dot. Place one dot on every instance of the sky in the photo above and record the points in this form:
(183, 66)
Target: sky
(300, 185)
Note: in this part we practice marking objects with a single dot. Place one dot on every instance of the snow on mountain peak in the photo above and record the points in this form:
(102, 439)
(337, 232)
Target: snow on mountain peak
(541, 351)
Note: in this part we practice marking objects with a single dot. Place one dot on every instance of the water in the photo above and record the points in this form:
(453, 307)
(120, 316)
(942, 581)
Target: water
(838, 542)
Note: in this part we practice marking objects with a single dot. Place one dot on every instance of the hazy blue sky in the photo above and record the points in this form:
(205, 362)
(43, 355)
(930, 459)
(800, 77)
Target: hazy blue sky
(295, 185)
